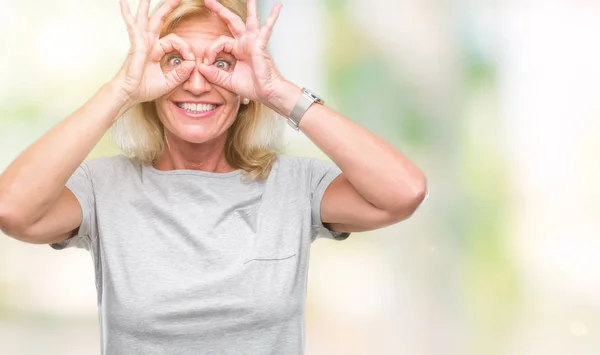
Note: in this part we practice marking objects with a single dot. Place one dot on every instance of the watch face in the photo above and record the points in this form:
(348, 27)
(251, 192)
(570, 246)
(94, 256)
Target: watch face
(316, 98)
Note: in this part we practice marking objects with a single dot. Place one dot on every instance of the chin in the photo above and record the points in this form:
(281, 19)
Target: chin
(196, 131)
(197, 135)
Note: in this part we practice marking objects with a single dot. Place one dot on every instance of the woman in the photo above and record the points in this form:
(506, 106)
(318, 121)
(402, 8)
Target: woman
(200, 236)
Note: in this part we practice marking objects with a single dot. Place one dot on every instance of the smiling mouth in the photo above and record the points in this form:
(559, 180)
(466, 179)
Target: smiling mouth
(196, 108)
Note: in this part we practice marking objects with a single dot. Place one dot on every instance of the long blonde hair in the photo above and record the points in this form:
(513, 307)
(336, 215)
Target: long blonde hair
(253, 141)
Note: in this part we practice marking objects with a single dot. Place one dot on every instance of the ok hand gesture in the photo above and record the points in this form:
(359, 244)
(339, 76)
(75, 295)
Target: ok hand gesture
(254, 75)
(141, 77)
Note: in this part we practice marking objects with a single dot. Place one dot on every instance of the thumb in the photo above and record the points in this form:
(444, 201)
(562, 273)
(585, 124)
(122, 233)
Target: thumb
(181, 73)
(216, 76)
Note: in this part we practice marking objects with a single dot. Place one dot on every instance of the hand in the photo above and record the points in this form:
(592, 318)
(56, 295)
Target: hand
(254, 75)
(141, 77)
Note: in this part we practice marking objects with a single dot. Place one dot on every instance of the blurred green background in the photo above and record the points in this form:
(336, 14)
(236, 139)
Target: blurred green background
(497, 101)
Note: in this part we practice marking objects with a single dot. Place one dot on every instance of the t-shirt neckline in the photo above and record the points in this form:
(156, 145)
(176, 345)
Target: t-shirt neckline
(209, 174)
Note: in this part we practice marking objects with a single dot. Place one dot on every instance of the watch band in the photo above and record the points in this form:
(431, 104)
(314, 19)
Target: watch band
(304, 102)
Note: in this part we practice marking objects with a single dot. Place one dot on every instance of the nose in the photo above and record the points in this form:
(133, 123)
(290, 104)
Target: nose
(197, 83)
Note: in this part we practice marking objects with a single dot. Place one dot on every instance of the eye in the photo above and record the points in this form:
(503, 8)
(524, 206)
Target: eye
(222, 64)
(174, 61)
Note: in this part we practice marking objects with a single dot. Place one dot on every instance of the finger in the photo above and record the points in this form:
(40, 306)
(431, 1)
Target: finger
(267, 29)
(221, 44)
(126, 13)
(181, 73)
(172, 42)
(158, 19)
(216, 76)
(252, 21)
(134, 65)
(142, 12)
(233, 21)
(129, 22)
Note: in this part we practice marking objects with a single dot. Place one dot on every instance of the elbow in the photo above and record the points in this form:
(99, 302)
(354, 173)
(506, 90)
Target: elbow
(10, 227)
(11, 224)
(409, 199)
(420, 196)
(420, 192)
(17, 230)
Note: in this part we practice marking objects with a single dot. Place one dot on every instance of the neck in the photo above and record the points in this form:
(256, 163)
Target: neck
(181, 155)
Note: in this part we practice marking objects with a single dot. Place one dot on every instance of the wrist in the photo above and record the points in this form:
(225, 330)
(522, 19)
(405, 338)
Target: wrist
(119, 98)
(284, 98)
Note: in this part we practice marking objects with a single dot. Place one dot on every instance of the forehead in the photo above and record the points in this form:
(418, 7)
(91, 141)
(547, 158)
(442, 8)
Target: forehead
(198, 31)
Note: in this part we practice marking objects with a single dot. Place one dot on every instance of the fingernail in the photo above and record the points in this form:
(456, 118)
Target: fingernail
(205, 62)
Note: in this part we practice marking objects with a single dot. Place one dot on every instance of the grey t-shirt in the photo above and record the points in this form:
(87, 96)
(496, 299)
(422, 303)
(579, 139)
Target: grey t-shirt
(190, 262)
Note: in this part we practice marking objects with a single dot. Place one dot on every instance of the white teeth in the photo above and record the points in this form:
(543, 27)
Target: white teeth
(196, 108)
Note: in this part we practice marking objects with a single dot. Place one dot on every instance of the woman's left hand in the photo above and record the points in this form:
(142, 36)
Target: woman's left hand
(254, 75)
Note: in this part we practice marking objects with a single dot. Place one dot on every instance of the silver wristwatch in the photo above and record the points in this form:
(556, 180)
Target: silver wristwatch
(306, 100)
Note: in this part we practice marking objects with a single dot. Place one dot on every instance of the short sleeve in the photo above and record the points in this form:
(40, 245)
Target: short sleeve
(81, 186)
(322, 173)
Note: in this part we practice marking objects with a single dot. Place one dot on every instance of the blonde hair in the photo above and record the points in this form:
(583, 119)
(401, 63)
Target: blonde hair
(253, 140)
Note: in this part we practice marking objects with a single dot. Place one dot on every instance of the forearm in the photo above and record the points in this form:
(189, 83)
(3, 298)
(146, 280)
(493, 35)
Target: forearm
(36, 178)
(380, 173)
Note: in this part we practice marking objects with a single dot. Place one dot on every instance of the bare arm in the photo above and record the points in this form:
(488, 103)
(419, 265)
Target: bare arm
(33, 184)
(35, 205)
(378, 186)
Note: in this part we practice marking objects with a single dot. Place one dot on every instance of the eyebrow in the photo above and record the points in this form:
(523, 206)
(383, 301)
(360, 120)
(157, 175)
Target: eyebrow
(226, 54)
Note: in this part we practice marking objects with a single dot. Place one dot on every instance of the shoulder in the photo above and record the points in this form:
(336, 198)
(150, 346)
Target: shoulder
(287, 162)
(294, 163)
(293, 167)
(115, 167)
(115, 162)
(305, 171)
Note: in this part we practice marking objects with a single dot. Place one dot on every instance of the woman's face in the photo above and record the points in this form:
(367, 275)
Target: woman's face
(198, 111)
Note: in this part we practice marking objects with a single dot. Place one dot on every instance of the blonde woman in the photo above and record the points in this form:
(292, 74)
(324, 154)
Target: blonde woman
(200, 233)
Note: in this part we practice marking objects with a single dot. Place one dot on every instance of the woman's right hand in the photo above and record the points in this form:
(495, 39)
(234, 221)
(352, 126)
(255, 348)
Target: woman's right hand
(141, 77)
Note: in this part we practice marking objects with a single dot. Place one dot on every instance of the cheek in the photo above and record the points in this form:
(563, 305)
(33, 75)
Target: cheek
(164, 109)
(232, 104)
(227, 118)
(229, 97)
